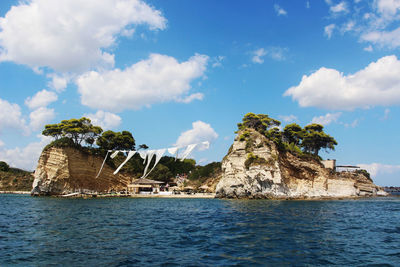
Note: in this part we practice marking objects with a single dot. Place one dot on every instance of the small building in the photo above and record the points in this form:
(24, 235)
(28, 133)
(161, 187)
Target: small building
(144, 186)
(329, 164)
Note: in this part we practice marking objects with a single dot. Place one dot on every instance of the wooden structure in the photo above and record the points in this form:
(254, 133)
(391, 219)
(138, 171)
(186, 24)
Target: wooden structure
(143, 185)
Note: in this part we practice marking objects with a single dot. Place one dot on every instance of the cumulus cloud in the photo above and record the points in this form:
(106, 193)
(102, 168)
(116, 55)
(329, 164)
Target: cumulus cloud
(383, 38)
(25, 157)
(106, 120)
(155, 80)
(41, 99)
(41, 117)
(328, 30)
(288, 118)
(327, 118)
(279, 11)
(341, 7)
(375, 23)
(387, 7)
(258, 55)
(369, 48)
(58, 83)
(274, 52)
(377, 168)
(11, 117)
(376, 85)
(217, 61)
(71, 35)
(200, 132)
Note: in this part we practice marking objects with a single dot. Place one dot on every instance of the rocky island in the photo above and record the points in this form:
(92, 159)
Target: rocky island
(266, 163)
(263, 162)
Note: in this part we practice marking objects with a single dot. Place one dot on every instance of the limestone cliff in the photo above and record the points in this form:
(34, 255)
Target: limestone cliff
(67, 170)
(255, 168)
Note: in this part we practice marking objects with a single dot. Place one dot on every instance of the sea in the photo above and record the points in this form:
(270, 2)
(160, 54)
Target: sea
(46, 231)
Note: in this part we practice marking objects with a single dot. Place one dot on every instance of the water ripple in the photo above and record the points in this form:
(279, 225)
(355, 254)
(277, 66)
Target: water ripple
(198, 232)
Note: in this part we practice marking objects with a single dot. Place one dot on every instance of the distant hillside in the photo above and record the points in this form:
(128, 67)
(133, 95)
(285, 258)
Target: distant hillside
(13, 179)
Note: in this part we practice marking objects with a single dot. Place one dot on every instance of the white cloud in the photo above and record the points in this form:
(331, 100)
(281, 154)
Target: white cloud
(190, 98)
(288, 118)
(349, 26)
(257, 56)
(387, 7)
(279, 11)
(200, 132)
(308, 4)
(376, 85)
(70, 35)
(341, 7)
(1, 143)
(390, 39)
(217, 61)
(328, 30)
(58, 83)
(377, 168)
(106, 120)
(155, 80)
(352, 125)
(11, 117)
(327, 118)
(274, 52)
(40, 117)
(27, 157)
(368, 48)
(375, 23)
(41, 99)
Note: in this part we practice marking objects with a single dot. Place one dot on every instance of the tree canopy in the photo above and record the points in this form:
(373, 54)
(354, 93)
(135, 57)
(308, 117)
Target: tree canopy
(4, 166)
(292, 133)
(78, 130)
(258, 122)
(314, 139)
(311, 139)
(110, 140)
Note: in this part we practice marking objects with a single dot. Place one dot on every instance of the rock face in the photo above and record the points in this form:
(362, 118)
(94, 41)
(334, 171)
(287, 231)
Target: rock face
(68, 170)
(254, 168)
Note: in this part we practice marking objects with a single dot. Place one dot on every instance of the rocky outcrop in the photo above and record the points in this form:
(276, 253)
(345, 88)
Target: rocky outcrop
(254, 168)
(67, 170)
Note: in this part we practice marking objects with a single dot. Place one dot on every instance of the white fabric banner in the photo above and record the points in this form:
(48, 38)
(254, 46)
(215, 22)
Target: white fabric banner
(130, 155)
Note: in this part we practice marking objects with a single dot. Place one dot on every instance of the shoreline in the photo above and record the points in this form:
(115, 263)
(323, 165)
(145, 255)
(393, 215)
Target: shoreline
(196, 195)
(16, 192)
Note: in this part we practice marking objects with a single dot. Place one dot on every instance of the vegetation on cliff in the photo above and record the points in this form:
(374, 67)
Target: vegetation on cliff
(81, 134)
(310, 139)
(13, 179)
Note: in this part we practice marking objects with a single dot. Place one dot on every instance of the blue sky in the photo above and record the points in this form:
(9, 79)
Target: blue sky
(178, 72)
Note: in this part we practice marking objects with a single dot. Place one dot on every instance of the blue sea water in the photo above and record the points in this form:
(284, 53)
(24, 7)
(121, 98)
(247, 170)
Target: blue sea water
(198, 232)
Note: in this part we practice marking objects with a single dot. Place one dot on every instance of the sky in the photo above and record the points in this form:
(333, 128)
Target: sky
(179, 72)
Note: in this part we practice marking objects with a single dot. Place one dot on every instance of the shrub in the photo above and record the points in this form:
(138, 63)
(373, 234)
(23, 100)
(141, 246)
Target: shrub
(254, 159)
(244, 136)
(4, 166)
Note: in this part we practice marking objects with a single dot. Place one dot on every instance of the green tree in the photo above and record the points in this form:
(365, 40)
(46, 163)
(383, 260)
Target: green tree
(275, 135)
(161, 173)
(315, 138)
(78, 130)
(259, 122)
(4, 166)
(53, 130)
(292, 134)
(111, 140)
